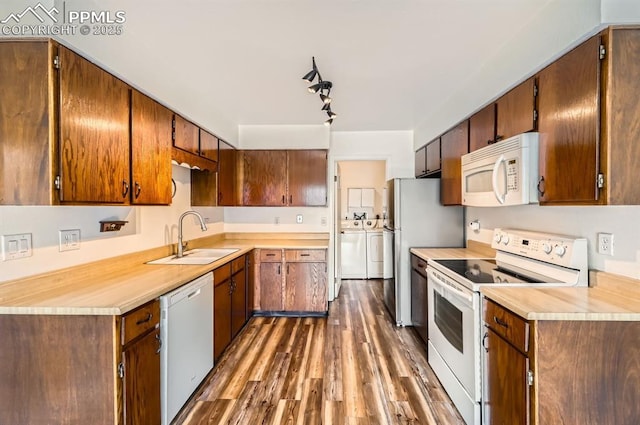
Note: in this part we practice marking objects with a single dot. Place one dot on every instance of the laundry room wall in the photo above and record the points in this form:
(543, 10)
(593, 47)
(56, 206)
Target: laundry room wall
(360, 176)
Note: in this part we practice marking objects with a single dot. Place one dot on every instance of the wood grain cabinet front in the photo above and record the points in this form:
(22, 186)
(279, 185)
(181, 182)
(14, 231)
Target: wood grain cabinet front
(516, 110)
(305, 280)
(69, 120)
(150, 151)
(230, 303)
(558, 371)
(283, 178)
(588, 122)
(454, 144)
(140, 365)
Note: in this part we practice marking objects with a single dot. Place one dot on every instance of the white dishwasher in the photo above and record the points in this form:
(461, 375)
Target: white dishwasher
(186, 355)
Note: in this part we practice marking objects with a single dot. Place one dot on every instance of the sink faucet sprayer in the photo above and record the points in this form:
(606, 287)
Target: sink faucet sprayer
(203, 226)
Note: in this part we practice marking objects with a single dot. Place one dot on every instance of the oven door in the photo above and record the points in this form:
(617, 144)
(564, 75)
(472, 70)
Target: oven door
(454, 328)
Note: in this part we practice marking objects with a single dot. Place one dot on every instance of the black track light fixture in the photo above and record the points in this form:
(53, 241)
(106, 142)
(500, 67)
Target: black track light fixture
(309, 76)
(322, 87)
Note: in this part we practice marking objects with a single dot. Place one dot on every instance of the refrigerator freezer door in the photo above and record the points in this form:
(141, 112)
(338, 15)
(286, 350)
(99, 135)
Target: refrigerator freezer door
(423, 223)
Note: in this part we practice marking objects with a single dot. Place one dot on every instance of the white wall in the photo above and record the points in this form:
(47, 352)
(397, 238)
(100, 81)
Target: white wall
(148, 227)
(620, 11)
(283, 136)
(622, 221)
(559, 26)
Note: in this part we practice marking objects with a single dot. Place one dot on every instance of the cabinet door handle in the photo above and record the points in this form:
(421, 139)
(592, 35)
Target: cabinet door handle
(484, 339)
(283, 199)
(287, 269)
(500, 322)
(305, 255)
(141, 321)
(159, 343)
(271, 255)
(138, 189)
(125, 188)
(541, 186)
(290, 199)
(279, 269)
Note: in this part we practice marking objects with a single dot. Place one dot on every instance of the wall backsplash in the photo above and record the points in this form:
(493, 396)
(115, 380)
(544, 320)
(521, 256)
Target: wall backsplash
(622, 221)
(148, 227)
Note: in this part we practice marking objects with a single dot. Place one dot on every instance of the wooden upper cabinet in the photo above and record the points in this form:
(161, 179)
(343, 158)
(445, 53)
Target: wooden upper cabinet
(227, 175)
(454, 144)
(264, 178)
(186, 135)
(433, 159)
(27, 120)
(94, 133)
(620, 130)
(307, 177)
(482, 128)
(208, 145)
(150, 151)
(516, 110)
(420, 163)
(569, 99)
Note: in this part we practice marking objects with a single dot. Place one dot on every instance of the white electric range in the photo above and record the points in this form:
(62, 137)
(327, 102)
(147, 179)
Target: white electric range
(523, 258)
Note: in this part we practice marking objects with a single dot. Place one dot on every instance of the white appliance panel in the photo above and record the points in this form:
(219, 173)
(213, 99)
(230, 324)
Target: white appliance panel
(419, 220)
(186, 356)
(353, 254)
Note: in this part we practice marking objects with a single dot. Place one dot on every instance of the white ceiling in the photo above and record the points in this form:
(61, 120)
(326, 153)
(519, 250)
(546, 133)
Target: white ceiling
(393, 63)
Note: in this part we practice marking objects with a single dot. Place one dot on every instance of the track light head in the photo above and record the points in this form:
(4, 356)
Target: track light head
(328, 122)
(322, 85)
(331, 114)
(325, 98)
(311, 75)
(326, 106)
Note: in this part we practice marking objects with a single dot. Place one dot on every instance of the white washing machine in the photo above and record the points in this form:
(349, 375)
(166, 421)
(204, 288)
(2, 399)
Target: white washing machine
(375, 249)
(353, 250)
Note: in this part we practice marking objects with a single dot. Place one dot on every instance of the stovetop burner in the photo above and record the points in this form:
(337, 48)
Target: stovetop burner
(484, 271)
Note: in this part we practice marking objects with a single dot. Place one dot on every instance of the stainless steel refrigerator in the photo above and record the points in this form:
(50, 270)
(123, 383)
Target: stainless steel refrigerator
(418, 220)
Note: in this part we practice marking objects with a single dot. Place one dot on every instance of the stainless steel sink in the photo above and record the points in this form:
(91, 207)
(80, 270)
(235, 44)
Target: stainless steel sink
(196, 256)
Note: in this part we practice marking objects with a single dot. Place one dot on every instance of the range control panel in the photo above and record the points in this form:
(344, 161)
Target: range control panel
(561, 250)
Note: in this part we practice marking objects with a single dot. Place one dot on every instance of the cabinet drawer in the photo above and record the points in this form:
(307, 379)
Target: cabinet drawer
(140, 320)
(419, 264)
(237, 264)
(510, 326)
(270, 255)
(304, 255)
(221, 274)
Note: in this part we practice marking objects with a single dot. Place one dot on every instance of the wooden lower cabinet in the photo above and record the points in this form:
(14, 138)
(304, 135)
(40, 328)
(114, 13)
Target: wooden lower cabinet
(80, 369)
(419, 297)
(229, 303)
(291, 281)
(141, 361)
(559, 371)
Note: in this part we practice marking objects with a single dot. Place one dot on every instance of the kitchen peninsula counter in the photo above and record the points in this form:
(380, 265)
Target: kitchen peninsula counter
(115, 286)
(610, 298)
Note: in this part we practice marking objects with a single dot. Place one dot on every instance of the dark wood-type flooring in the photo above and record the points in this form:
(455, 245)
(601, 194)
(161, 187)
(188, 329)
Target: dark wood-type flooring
(353, 367)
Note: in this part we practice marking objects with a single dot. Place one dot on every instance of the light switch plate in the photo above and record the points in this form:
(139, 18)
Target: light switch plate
(299, 219)
(69, 239)
(16, 246)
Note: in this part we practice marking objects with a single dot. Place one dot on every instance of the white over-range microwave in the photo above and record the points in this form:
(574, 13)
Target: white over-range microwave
(502, 174)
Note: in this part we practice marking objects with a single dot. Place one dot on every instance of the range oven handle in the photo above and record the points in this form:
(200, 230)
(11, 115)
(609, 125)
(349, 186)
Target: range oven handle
(467, 296)
(494, 180)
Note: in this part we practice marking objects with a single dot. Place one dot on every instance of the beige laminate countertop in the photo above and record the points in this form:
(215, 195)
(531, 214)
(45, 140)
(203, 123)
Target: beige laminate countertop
(116, 286)
(610, 297)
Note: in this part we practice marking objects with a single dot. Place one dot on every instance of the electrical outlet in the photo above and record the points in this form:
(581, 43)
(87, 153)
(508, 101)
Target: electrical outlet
(323, 221)
(277, 220)
(16, 246)
(299, 219)
(69, 239)
(605, 243)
